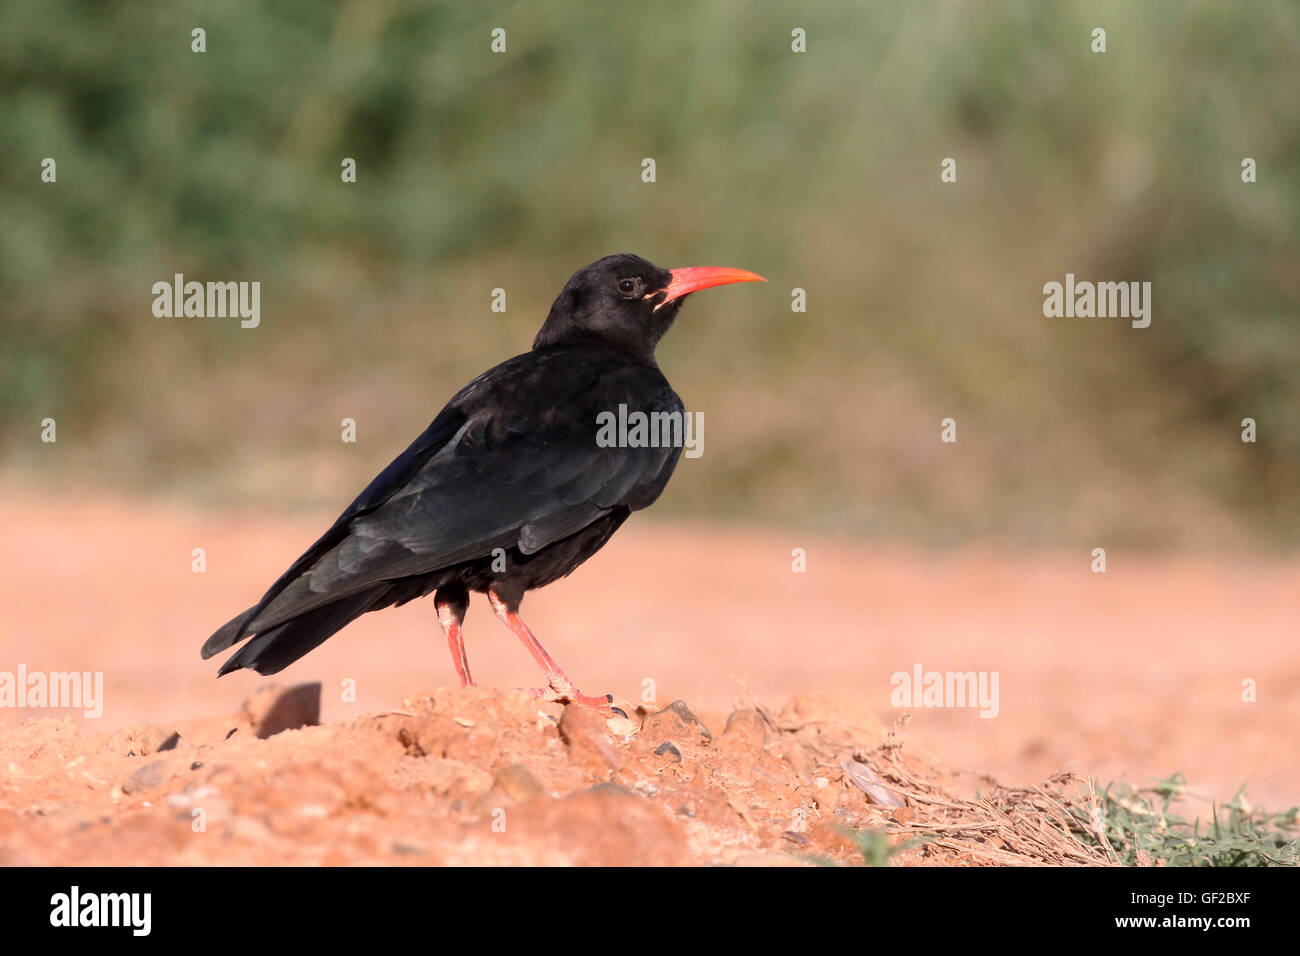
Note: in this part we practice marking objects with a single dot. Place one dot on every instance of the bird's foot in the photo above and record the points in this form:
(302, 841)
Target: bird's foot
(568, 694)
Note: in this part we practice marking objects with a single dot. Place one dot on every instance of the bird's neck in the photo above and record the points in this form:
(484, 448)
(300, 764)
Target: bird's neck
(561, 336)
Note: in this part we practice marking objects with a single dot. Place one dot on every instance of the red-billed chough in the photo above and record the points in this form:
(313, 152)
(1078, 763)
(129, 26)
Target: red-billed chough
(507, 490)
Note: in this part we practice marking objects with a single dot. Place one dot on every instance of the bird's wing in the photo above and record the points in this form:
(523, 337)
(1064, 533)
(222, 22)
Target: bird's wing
(508, 474)
(442, 430)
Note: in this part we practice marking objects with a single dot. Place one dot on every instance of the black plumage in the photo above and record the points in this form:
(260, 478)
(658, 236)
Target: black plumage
(507, 490)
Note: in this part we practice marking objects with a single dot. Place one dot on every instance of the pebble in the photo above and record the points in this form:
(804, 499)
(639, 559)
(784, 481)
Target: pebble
(669, 749)
(584, 732)
(274, 708)
(678, 722)
(153, 774)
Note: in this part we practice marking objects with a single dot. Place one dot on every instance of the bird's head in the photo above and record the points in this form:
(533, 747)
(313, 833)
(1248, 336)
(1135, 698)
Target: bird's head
(628, 301)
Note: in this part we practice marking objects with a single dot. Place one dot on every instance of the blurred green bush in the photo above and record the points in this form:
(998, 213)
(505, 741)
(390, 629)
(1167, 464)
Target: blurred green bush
(821, 170)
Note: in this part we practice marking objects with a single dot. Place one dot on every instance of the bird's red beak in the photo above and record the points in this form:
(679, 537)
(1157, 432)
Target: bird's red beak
(686, 281)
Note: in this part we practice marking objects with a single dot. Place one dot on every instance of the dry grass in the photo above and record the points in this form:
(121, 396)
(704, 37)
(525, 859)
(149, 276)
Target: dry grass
(920, 814)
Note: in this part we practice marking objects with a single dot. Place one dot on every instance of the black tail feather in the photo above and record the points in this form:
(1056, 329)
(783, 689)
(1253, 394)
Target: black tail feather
(277, 647)
(229, 634)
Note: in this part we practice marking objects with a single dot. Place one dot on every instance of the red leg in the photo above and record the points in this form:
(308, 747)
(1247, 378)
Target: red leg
(450, 615)
(559, 688)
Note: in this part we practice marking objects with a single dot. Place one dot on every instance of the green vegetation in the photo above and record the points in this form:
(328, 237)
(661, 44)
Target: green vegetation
(820, 170)
(1141, 828)
(875, 846)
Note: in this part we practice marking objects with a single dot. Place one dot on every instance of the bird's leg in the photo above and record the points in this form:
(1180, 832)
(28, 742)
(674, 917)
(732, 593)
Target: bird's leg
(559, 687)
(451, 607)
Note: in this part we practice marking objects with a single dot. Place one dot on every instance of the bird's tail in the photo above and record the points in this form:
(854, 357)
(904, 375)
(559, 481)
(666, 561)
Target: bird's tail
(274, 649)
(229, 634)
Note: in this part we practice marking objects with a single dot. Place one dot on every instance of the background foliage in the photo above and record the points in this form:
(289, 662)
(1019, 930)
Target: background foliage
(819, 170)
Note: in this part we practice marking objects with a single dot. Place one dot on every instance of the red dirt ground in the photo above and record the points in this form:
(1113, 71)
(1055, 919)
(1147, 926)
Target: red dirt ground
(1132, 674)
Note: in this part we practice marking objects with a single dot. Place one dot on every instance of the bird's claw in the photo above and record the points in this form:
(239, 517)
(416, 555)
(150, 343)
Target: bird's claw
(571, 695)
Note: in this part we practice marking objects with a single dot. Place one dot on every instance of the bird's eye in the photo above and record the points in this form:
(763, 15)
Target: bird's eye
(628, 286)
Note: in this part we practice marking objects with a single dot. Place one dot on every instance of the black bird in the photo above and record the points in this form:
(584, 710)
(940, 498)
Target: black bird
(506, 491)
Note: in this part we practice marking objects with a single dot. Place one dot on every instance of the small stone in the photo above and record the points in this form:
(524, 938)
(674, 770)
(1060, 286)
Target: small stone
(584, 732)
(151, 775)
(675, 722)
(621, 726)
(156, 739)
(746, 730)
(669, 749)
(273, 708)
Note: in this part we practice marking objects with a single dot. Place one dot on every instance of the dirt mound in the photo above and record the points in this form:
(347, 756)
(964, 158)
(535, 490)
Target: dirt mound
(491, 777)
(1131, 675)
